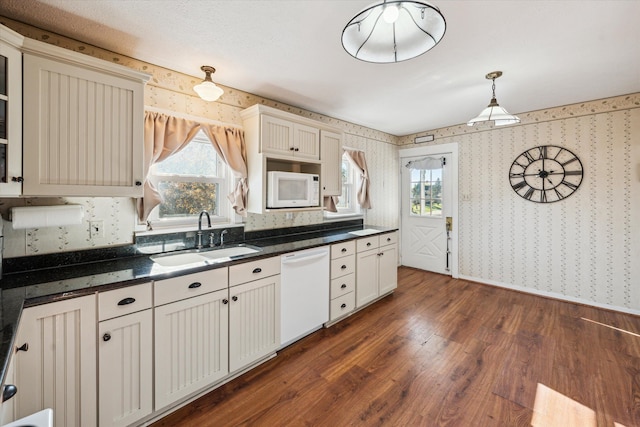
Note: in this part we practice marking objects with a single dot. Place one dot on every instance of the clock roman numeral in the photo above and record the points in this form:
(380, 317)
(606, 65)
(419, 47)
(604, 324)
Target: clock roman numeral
(529, 157)
(542, 152)
(573, 172)
(570, 185)
(516, 175)
(519, 185)
(543, 197)
(529, 194)
(559, 194)
(569, 161)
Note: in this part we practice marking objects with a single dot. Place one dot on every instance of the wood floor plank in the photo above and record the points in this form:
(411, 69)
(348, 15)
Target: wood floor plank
(440, 352)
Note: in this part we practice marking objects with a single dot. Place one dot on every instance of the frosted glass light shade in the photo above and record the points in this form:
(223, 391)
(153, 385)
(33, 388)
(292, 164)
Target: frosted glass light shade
(208, 91)
(418, 27)
(494, 113)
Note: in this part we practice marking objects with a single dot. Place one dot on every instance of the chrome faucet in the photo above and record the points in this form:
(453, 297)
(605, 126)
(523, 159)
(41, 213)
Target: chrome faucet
(199, 240)
(222, 233)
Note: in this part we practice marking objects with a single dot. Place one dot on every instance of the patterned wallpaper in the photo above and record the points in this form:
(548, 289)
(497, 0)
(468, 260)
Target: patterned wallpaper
(584, 248)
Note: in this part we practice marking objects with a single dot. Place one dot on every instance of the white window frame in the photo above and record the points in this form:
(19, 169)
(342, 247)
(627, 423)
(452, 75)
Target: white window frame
(225, 183)
(353, 208)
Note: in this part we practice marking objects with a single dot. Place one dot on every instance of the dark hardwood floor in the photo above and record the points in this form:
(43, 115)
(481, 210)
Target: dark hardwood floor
(443, 352)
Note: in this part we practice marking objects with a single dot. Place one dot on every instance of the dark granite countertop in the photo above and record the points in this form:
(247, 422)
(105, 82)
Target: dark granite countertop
(44, 285)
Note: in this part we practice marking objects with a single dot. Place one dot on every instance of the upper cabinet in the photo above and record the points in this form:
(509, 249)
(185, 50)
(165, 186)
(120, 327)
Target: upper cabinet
(331, 156)
(281, 141)
(83, 124)
(284, 138)
(10, 112)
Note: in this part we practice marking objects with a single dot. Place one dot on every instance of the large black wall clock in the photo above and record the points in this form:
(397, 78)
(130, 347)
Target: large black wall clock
(546, 174)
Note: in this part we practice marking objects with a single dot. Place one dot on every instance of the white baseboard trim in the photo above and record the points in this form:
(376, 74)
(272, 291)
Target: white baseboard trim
(551, 295)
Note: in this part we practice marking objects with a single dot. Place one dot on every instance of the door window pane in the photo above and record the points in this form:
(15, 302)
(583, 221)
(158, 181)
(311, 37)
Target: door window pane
(426, 192)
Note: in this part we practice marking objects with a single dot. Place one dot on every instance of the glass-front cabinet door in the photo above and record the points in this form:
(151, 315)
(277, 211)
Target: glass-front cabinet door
(10, 113)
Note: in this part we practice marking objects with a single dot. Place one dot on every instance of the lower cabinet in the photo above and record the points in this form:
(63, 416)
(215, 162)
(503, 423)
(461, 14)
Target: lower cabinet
(191, 345)
(125, 355)
(254, 321)
(54, 362)
(376, 267)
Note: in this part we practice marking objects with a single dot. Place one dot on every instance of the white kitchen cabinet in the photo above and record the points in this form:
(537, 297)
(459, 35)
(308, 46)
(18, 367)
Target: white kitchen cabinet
(56, 364)
(376, 267)
(280, 141)
(125, 346)
(84, 130)
(331, 156)
(289, 139)
(342, 291)
(191, 335)
(254, 316)
(10, 113)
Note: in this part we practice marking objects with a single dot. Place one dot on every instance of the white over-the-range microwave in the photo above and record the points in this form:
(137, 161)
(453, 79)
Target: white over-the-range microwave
(292, 190)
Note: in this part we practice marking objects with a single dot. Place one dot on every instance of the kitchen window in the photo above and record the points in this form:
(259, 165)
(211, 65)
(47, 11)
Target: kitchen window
(190, 181)
(348, 201)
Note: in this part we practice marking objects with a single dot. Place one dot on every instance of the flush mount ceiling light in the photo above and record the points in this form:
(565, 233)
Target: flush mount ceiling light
(393, 31)
(494, 112)
(208, 90)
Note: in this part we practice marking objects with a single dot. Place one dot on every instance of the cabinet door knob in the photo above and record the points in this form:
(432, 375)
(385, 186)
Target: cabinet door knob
(297, 149)
(343, 267)
(343, 305)
(23, 347)
(388, 239)
(195, 285)
(138, 183)
(17, 179)
(343, 250)
(235, 298)
(8, 392)
(369, 244)
(257, 270)
(344, 285)
(127, 301)
(292, 148)
(225, 301)
(106, 337)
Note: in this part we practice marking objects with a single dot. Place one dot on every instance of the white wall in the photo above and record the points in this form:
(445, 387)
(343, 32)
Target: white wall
(585, 248)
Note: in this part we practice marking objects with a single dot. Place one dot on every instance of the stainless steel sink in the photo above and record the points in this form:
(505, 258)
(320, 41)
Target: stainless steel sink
(205, 256)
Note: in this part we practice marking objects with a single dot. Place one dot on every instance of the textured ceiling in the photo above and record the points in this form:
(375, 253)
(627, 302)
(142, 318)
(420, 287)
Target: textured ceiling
(552, 53)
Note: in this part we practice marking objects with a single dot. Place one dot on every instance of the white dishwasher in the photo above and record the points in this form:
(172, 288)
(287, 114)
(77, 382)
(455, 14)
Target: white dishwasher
(304, 293)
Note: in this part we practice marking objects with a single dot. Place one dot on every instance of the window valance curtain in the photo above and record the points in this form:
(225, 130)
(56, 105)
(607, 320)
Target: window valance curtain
(358, 159)
(165, 135)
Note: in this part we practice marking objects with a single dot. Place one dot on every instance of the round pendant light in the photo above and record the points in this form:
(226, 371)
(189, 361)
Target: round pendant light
(208, 90)
(393, 31)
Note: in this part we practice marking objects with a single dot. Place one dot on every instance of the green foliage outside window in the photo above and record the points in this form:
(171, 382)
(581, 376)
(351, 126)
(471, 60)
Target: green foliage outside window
(187, 198)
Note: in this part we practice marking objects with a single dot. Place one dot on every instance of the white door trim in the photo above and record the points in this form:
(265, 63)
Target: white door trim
(453, 164)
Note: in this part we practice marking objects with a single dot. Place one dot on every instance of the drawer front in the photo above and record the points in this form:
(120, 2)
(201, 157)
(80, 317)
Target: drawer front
(191, 285)
(343, 266)
(367, 243)
(343, 285)
(124, 301)
(343, 249)
(388, 239)
(342, 306)
(253, 270)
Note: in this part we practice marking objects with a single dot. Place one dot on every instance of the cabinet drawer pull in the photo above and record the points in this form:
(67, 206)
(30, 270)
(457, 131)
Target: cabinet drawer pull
(291, 148)
(344, 285)
(388, 239)
(195, 285)
(17, 179)
(127, 301)
(343, 305)
(257, 270)
(23, 347)
(343, 250)
(297, 149)
(225, 301)
(343, 267)
(368, 243)
(235, 298)
(106, 337)
(8, 392)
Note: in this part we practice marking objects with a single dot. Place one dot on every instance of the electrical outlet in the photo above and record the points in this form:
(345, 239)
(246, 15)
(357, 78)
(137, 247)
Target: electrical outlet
(96, 229)
(466, 197)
